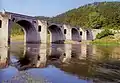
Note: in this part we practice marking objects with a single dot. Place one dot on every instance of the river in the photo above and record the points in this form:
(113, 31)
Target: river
(59, 63)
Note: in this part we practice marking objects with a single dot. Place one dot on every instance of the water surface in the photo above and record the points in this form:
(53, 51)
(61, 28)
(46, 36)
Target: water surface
(59, 63)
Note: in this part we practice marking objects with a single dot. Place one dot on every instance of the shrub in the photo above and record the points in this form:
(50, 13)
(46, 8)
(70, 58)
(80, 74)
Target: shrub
(104, 33)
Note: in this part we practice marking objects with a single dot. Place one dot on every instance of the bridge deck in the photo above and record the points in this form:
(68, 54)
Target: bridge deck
(19, 15)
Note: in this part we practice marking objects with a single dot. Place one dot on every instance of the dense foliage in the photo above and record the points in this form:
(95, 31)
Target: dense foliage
(96, 15)
(104, 33)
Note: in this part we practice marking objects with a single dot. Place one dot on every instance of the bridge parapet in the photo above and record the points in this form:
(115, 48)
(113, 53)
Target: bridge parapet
(17, 17)
(20, 15)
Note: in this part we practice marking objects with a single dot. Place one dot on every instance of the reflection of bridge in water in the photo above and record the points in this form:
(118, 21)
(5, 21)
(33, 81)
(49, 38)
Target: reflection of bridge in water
(38, 56)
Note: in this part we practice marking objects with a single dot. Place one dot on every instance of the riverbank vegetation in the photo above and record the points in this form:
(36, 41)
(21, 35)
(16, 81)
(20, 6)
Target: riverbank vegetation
(107, 37)
(108, 40)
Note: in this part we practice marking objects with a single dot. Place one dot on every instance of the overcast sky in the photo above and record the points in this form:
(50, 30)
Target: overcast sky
(43, 7)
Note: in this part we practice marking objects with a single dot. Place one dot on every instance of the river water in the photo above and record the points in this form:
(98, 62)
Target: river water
(59, 63)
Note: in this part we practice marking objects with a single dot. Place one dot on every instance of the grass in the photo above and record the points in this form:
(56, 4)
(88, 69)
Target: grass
(17, 37)
(109, 40)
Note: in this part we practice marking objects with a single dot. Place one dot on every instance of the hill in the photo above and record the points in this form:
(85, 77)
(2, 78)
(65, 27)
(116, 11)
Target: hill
(95, 15)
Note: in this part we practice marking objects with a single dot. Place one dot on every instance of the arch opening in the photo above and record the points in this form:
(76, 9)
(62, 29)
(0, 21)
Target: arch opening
(13, 19)
(25, 24)
(26, 29)
(89, 35)
(81, 33)
(65, 31)
(39, 28)
(56, 34)
(17, 32)
(75, 35)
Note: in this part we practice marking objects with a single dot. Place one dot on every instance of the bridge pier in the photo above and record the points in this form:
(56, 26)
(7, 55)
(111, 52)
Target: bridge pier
(67, 32)
(4, 30)
(42, 31)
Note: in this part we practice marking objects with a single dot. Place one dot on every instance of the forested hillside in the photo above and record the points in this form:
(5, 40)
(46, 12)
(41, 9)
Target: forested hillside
(96, 15)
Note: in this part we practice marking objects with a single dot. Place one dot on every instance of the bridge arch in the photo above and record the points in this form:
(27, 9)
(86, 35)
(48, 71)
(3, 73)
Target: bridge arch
(89, 35)
(75, 34)
(30, 32)
(56, 34)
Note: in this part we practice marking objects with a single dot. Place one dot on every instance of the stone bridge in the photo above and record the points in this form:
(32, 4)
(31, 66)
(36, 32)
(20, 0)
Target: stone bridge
(36, 30)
